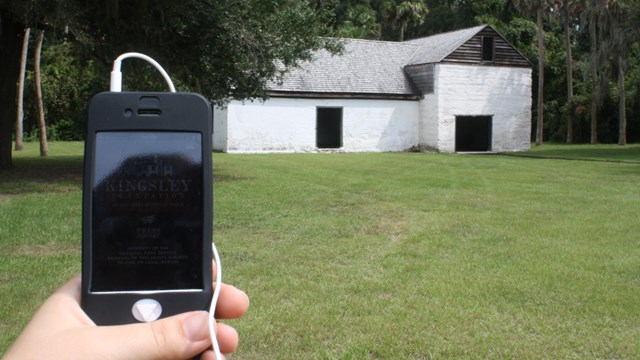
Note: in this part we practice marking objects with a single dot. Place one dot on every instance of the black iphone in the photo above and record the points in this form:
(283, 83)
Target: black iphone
(147, 206)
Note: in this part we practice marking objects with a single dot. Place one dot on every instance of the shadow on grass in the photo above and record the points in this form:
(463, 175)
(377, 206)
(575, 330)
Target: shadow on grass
(42, 175)
(600, 153)
(57, 175)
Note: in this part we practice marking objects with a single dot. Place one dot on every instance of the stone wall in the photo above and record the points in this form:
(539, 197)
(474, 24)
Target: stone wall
(289, 125)
(461, 90)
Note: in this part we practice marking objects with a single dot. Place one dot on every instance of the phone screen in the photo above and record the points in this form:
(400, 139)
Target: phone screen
(147, 211)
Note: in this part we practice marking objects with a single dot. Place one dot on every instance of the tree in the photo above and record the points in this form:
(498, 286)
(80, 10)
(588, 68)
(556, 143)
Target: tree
(620, 35)
(11, 34)
(538, 7)
(611, 33)
(409, 13)
(595, 10)
(44, 147)
(406, 13)
(20, 104)
(222, 48)
(594, 71)
(15, 15)
(568, 10)
(227, 48)
(539, 125)
(360, 22)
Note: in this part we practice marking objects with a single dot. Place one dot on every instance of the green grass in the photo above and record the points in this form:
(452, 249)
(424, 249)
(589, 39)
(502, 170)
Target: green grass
(39, 230)
(616, 153)
(384, 256)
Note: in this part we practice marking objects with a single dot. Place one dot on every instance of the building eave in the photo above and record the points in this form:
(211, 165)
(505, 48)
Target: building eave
(342, 95)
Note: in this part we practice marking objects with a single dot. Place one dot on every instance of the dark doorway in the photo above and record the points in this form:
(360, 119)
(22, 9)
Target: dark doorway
(329, 128)
(473, 133)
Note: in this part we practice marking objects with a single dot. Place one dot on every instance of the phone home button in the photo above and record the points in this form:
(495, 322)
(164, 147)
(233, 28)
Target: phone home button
(146, 310)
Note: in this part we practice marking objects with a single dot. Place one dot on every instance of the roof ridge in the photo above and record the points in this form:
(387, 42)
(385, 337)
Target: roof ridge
(479, 27)
(422, 42)
(375, 41)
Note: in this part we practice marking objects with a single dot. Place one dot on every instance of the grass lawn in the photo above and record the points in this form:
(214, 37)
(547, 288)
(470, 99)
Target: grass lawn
(383, 256)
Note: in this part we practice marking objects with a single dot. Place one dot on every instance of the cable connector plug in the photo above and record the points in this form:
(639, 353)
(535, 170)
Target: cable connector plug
(116, 74)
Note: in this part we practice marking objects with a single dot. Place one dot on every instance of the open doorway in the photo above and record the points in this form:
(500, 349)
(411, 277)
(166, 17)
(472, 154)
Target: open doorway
(473, 133)
(329, 127)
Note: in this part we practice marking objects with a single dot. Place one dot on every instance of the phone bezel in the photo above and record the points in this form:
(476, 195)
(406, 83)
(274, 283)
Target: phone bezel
(136, 112)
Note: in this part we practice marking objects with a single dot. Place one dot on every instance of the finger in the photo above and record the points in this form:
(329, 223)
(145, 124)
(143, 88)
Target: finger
(178, 337)
(227, 338)
(210, 355)
(232, 303)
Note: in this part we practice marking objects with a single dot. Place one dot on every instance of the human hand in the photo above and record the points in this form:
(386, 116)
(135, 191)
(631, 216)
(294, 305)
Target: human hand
(61, 330)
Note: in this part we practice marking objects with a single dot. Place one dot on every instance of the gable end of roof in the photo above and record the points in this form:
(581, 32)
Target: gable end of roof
(393, 69)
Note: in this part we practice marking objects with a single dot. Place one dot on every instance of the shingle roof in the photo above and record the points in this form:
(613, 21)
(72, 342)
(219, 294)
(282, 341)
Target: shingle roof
(435, 48)
(371, 67)
(365, 66)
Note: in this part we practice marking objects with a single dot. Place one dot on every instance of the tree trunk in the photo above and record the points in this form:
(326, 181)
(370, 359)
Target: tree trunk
(11, 33)
(539, 125)
(567, 44)
(403, 29)
(594, 79)
(44, 148)
(622, 104)
(23, 68)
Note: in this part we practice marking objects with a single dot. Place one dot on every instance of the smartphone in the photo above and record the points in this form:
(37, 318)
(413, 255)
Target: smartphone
(147, 206)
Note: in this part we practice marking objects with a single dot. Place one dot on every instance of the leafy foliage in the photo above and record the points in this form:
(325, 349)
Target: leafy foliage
(226, 48)
(616, 32)
(221, 48)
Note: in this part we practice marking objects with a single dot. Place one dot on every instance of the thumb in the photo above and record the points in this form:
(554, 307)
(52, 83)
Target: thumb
(178, 337)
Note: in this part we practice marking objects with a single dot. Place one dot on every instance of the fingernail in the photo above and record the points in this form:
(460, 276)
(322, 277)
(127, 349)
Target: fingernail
(196, 326)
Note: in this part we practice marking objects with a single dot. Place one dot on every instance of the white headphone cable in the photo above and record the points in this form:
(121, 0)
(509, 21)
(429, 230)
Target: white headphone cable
(214, 301)
(116, 86)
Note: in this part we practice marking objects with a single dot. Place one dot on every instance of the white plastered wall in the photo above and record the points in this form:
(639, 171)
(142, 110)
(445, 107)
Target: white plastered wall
(219, 129)
(289, 125)
(461, 90)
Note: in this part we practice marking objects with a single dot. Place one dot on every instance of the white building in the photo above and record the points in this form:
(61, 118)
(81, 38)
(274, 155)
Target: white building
(467, 90)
